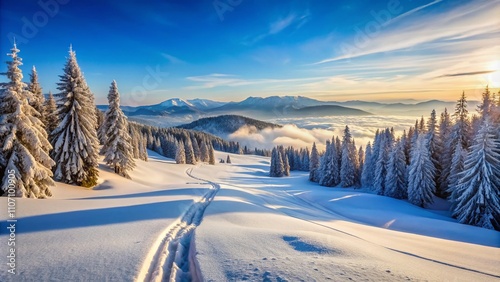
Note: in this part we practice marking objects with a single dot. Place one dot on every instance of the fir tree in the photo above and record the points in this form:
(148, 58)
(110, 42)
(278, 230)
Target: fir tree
(445, 157)
(117, 147)
(228, 159)
(180, 155)
(37, 99)
(204, 152)
(380, 172)
(314, 164)
(478, 201)
(367, 173)
(347, 168)
(23, 139)
(395, 180)
(421, 185)
(75, 139)
(435, 150)
(188, 147)
(457, 166)
(52, 119)
(211, 155)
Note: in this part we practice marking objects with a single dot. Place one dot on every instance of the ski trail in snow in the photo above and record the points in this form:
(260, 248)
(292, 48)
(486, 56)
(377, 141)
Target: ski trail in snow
(169, 258)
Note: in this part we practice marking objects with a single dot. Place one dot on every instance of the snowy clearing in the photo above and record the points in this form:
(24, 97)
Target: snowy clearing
(169, 221)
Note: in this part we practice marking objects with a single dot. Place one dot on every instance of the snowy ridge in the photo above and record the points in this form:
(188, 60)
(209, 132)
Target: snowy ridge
(170, 257)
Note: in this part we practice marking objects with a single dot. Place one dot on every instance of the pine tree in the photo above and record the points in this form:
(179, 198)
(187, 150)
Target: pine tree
(314, 164)
(421, 185)
(457, 166)
(117, 147)
(486, 107)
(23, 139)
(435, 150)
(37, 99)
(75, 138)
(367, 173)
(188, 147)
(395, 180)
(51, 115)
(330, 172)
(204, 152)
(228, 159)
(445, 157)
(211, 155)
(196, 149)
(478, 201)
(380, 172)
(180, 155)
(347, 168)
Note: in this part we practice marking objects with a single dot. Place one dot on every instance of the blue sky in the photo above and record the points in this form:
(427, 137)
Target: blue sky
(231, 49)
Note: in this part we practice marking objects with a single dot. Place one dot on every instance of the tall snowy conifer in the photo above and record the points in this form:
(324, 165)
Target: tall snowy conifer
(347, 168)
(180, 154)
(37, 99)
(445, 157)
(367, 173)
(51, 117)
(314, 164)
(211, 155)
(478, 200)
(421, 185)
(23, 139)
(117, 147)
(75, 138)
(395, 180)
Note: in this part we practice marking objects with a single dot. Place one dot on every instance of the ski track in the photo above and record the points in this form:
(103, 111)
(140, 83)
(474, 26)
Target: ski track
(170, 258)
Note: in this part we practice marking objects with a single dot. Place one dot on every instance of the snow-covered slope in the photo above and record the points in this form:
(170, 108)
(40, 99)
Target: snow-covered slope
(231, 222)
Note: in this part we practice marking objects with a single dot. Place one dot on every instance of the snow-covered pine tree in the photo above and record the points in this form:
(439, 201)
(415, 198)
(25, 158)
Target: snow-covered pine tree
(180, 155)
(314, 164)
(117, 147)
(361, 161)
(228, 159)
(478, 201)
(385, 143)
(367, 173)
(196, 148)
(395, 180)
(188, 147)
(75, 138)
(421, 185)
(23, 139)
(347, 169)
(204, 152)
(435, 150)
(52, 119)
(305, 159)
(323, 170)
(486, 107)
(37, 99)
(460, 133)
(445, 157)
(211, 154)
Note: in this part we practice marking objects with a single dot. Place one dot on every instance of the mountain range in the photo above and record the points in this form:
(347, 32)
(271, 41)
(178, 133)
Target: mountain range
(284, 107)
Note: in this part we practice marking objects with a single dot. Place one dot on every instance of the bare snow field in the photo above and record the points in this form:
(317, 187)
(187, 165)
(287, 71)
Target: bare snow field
(246, 226)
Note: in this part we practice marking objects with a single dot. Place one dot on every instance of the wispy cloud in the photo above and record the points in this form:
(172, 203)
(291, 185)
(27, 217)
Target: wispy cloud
(466, 73)
(227, 80)
(471, 20)
(279, 26)
(172, 59)
(412, 11)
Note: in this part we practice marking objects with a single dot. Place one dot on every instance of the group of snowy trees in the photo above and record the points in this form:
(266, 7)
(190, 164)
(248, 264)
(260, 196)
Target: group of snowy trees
(284, 160)
(340, 164)
(43, 138)
(457, 158)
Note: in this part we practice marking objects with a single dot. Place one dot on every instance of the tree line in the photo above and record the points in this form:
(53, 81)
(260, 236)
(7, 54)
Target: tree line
(455, 157)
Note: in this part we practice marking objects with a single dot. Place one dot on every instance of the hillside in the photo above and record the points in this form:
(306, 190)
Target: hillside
(227, 124)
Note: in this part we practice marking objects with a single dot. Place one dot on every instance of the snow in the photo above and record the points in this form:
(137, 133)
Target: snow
(244, 226)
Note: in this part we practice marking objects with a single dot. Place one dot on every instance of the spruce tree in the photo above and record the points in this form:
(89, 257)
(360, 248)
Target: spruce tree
(52, 119)
(367, 173)
(75, 138)
(180, 155)
(188, 147)
(23, 139)
(435, 150)
(117, 147)
(421, 185)
(211, 154)
(204, 152)
(228, 159)
(37, 99)
(395, 180)
(445, 157)
(314, 164)
(478, 201)
(347, 168)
